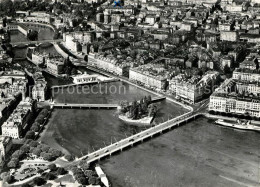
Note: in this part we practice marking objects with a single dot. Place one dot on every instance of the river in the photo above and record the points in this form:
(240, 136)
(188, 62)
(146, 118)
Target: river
(199, 153)
(93, 128)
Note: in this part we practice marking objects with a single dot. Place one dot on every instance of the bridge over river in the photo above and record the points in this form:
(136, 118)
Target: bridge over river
(81, 106)
(38, 42)
(139, 137)
(95, 106)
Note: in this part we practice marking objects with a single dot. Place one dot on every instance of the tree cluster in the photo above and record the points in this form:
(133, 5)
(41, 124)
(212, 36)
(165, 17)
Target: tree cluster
(137, 110)
(69, 157)
(33, 147)
(84, 175)
(15, 158)
(69, 68)
(32, 35)
(36, 126)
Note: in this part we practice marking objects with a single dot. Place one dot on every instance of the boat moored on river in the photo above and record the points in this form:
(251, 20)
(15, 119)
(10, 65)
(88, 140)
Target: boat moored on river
(238, 125)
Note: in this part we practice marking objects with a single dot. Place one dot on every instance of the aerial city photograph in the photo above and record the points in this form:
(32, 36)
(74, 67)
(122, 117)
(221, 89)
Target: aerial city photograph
(130, 93)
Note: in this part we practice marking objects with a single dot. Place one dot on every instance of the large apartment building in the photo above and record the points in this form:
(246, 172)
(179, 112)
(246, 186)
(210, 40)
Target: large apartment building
(109, 64)
(40, 87)
(16, 122)
(233, 103)
(55, 65)
(195, 88)
(238, 95)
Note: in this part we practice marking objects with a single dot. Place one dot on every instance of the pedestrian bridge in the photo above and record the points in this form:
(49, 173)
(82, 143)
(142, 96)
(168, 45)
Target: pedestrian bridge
(139, 137)
(38, 42)
(81, 106)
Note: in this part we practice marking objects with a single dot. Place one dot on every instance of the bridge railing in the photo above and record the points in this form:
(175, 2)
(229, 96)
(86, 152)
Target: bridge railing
(147, 133)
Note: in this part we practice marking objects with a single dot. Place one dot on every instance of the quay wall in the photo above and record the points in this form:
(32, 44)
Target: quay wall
(60, 51)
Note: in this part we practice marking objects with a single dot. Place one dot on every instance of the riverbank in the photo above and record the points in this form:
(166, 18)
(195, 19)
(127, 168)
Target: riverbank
(126, 80)
(143, 121)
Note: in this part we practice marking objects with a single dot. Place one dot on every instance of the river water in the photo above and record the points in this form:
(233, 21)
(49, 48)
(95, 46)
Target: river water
(196, 154)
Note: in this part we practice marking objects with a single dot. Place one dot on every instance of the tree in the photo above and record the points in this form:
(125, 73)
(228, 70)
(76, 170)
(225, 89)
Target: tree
(226, 70)
(92, 180)
(40, 119)
(40, 171)
(89, 173)
(12, 164)
(83, 180)
(44, 112)
(56, 153)
(73, 71)
(36, 124)
(4, 174)
(85, 166)
(152, 110)
(32, 35)
(18, 154)
(33, 144)
(37, 152)
(52, 167)
(9, 179)
(27, 142)
(38, 181)
(45, 148)
(29, 135)
(25, 148)
(149, 99)
(35, 128)
(50, 176)
(48, 156)
(61, 171)
(69, 157)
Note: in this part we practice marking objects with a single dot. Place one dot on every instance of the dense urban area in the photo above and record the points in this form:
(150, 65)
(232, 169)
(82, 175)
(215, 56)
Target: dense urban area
(199, 55)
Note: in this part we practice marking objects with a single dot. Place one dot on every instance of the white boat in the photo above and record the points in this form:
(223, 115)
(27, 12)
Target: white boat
(85, 78)
(102, 176)
(237, 125)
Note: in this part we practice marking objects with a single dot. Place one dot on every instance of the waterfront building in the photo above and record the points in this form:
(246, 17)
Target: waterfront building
(85, 78)
(12, 83)
(16, 122)
(247, 87)
(5, 147)
(234, 103)
(7, 104)
(55, 65)
(16, 26)
(18, 86)
(238, 95)
(109, 63)
(41, 17)
(246, 75)
(149, 75)
(195, 88)
(127, 10)
(39, 89)
(38, 58)
(251, 62)
(75, 40)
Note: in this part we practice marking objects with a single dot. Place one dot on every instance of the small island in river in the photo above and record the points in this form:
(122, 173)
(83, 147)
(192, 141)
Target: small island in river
(137, 112)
